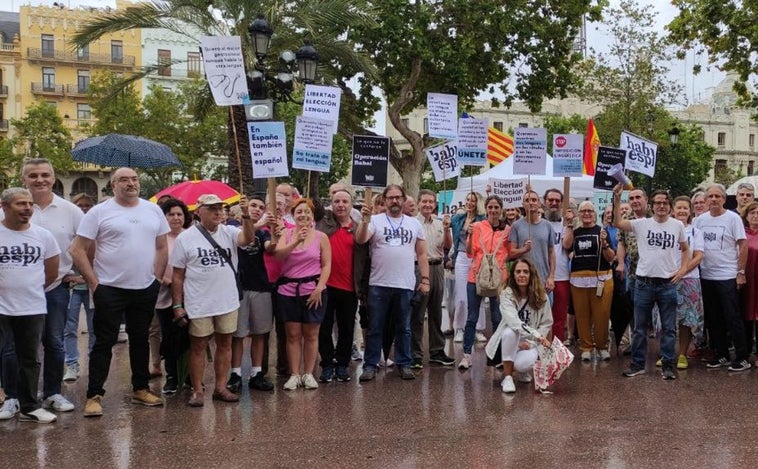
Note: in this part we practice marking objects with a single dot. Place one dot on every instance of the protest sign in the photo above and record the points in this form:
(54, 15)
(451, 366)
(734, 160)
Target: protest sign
(444, 161)
(371, 157)
(268, 149)
(442, 113)
(602, 199)
(323, 102)
(510, 190)
(472, 141)
(568, 151)
(224, 69)
(313, 144)
(607, 157)
(529, 151)
(641, 154)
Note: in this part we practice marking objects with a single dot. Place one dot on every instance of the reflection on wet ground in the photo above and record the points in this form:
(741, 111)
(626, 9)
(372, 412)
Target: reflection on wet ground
(444, 418)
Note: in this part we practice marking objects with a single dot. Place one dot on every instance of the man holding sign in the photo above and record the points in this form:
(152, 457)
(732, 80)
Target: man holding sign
(533, 238)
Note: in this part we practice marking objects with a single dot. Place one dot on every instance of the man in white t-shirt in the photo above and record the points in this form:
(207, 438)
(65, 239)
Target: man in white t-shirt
(29, 259)
(204, 290)
(663, 256)
(131, 251)
(394, 240)
(722, 274)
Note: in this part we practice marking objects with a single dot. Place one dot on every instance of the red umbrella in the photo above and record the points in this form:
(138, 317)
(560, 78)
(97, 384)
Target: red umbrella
(189, 191)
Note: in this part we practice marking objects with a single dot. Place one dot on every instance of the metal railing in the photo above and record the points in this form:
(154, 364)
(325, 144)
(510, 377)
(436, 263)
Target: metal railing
(41, 88)
(66, 56)
(77, 90)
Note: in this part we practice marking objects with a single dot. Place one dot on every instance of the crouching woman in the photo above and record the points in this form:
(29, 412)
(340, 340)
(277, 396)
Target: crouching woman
(527, 320)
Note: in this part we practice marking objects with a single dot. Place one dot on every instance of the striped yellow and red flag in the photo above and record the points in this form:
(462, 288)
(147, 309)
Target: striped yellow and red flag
(591, 144)
(499, 146)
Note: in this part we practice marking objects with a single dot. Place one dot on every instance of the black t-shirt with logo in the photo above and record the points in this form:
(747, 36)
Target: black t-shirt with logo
(251, 267)
(587, 249)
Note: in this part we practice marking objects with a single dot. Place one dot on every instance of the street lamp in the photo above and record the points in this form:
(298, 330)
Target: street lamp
(674, 135)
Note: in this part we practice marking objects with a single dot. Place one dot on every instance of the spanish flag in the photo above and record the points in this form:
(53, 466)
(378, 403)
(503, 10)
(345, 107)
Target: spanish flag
(499, 146)
(591, 144)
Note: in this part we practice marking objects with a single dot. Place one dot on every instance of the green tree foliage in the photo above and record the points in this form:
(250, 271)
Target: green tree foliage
(115, 104)
(8, 162)
(519, 49)
(41, 134)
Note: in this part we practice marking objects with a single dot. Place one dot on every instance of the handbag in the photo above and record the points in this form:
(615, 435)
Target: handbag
(554, 360)
(224, 255)
(489, 278)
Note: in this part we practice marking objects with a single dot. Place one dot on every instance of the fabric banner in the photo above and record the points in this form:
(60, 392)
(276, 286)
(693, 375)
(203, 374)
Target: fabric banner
(591, 145)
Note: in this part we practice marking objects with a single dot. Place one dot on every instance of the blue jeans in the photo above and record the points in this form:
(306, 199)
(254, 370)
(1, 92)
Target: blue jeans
(52, 339)
(474, 303)
(645, 296)
(70, 337)
(380, 301)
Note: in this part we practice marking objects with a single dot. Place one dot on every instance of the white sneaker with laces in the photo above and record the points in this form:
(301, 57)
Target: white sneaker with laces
(586, 356)
(37, 416)
(9, 409)
(508, 385)
(58, 403)
(479, 337)
(292, 383)
(465, 362)
(309, 382)
(458, 336)
(605, 355)
(72, 373)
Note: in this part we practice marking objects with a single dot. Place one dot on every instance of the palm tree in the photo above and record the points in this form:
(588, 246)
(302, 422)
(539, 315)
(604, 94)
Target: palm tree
(325, 23)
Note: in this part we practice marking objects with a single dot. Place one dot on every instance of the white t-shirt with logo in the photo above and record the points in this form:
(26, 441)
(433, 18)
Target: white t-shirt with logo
(22, 269)
(210, 288)
(562, 267)
(658, 245)
(720, 236)
(695, 240)
(124, 242)
(393, 250)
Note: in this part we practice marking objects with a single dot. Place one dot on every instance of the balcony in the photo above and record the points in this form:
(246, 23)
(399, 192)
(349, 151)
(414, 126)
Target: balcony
(62, 56)
(4, 125)
(77, 91)
(47, 90)
(3, 91)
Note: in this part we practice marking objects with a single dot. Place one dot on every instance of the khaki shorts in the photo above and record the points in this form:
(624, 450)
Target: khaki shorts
(256, 314)
(221, 324)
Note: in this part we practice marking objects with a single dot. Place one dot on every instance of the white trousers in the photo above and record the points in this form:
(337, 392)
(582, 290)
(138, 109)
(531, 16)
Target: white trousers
(523, 360)
(462, 264)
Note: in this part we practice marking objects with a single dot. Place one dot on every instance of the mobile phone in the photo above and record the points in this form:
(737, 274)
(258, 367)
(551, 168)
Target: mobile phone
(599, 288)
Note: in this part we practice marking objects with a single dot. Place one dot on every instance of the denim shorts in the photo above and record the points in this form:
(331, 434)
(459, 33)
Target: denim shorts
(294, 309)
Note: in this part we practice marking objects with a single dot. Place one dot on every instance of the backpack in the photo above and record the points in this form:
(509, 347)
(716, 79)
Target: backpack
(489, 279)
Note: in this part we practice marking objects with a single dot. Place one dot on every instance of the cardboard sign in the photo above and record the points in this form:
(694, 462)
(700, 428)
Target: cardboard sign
(641, 154)
(268, 149)
(472, 141)
(224, 69)
(444, 161)
(602, 199)
(442, 117)
(510, 190)
(568, 151)
(323, 102)
(371, 158)
(529, 151)
(313, 144)
(607, 157)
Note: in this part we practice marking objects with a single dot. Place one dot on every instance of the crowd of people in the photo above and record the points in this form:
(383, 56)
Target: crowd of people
(330, 279)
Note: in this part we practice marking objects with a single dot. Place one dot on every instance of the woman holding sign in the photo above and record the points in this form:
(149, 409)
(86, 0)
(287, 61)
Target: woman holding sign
(461, 225)
(591, 281)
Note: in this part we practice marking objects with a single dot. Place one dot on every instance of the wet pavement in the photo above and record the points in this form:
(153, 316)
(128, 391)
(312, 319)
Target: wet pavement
(445, 418)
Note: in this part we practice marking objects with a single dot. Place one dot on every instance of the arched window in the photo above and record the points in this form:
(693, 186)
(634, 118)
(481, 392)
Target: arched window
(58, 188)
(85, 185)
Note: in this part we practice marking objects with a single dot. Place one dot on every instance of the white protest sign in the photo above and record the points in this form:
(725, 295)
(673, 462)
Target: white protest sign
(442, 117)
(268, 148)
(641, 154)
(529, 150)
(510, 190)
(444, 161)
(568, 154)
(322, 102)
(224, 69)
(313, 144)
(472, 141)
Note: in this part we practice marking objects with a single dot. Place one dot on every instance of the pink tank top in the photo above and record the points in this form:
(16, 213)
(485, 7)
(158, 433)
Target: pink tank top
(302, 263)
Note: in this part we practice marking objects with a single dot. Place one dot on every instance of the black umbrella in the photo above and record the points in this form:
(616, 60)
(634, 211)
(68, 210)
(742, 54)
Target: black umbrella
(116, 150)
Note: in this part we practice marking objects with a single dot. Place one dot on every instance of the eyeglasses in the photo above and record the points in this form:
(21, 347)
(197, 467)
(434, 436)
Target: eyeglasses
(586, 211)
(393, 197)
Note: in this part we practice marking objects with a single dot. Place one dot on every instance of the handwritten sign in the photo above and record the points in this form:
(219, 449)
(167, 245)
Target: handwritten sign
(224, 69)
(568, 151)
(510, 190)
(442, 115)
(313, 144)
(444, 161)
(607, 157)
(323, 102)
(472, 141)
(268, 148)
(371, 157)
(529, 150)
(641, 154)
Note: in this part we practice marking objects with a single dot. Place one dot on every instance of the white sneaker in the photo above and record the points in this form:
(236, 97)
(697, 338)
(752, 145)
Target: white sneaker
(508, 385)
(389, 362)
(479, 337)
(309, 382)
(72, 373)
(525, 378)
(122, 335)
(58, 403)
(458, 336)
(356, 355)
(605, 355)
(292, 383)
(38, 416)
(465, 362)
(9, 409)
(587, 356)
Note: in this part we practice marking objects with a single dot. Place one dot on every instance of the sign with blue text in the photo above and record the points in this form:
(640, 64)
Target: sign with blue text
(313, 144)
(641, 154)
(568, 152)
(323, 102)
(268, 149)
(472, 141)
(442, 115)
(529, 151)
(510, 190)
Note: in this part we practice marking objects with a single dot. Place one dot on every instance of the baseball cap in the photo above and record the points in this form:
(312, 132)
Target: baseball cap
(209, 199)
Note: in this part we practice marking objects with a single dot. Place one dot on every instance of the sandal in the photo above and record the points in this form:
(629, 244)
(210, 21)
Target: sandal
(225, 396)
